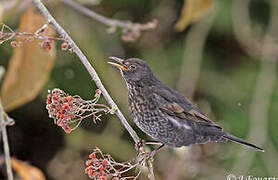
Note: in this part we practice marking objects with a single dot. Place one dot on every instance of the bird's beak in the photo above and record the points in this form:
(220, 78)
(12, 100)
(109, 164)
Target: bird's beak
(118, 62)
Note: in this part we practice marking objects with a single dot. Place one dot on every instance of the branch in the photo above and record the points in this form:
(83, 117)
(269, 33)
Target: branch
(96, 16)
(149, 165)
(131, 31)
(88, 66)
(4, 121)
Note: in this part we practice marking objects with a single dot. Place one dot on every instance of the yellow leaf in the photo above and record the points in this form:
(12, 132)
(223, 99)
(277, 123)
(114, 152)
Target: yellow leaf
(30, 65)
(193, 10)
(26, 171)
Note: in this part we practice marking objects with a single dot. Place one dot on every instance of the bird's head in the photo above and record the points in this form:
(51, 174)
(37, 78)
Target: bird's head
(133, 69)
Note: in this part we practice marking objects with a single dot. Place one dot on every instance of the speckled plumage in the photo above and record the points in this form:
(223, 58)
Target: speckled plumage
(165, 114)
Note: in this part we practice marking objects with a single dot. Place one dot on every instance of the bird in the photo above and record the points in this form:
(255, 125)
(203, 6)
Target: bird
(165, 114)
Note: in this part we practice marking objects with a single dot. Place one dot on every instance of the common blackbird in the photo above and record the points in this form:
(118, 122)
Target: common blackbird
(165, 114)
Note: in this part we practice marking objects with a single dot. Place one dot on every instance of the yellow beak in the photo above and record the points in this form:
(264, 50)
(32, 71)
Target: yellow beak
(118, 63)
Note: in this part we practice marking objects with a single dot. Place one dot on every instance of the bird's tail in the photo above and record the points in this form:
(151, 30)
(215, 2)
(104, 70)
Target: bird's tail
(240, 141)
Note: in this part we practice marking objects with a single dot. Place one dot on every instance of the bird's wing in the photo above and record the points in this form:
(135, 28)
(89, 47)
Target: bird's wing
(176, 110)
(175, 104)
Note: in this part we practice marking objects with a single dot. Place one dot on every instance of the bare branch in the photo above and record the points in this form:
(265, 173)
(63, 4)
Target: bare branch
(131, 31)
(3, 123)
(87, 65)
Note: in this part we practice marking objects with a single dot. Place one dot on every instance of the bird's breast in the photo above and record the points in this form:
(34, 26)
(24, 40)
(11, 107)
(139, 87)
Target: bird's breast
(137, 101)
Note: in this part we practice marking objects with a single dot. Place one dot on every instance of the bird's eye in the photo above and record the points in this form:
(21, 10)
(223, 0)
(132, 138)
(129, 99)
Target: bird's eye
(132, 67)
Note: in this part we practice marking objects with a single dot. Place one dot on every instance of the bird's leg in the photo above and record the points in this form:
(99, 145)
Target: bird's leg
(149, 155)
(156, 150)
(153, 143)
(146, 155)
(142, 143)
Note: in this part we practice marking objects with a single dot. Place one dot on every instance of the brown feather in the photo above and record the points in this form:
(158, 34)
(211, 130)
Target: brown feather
(192, 114)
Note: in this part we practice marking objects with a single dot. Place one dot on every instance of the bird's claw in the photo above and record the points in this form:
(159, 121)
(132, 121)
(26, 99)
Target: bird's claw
(139, 144)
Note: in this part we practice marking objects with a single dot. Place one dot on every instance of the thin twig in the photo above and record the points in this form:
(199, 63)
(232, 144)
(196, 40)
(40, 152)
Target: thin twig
(130, 31)
(102, 19)
(87, 65)
(96, 16)
(3, 118)
(149, 165)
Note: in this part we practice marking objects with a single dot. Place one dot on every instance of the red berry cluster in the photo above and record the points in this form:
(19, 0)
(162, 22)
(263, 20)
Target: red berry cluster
(100, 166)
(61, 108)
(97, 168)
(68, 111)
(6, 34)
(103, 167)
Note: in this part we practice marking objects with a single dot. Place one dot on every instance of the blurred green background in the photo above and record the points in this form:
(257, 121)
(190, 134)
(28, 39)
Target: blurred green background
(208, 61)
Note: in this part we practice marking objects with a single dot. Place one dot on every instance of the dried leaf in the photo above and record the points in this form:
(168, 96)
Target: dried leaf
(30, 65)
(193, 10)
(26, 171)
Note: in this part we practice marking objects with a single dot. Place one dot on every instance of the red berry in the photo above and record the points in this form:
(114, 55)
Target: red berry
(64, 46)
(69, 98)
(104, 162)
(46, 45)
(92, 173)
(102, 177)
(14, 44)
(48, 101)
(101, 168)
(87, 170)
(89, 163)
(55, 97)
(65, 106)
(64, 99)
(92, 156)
